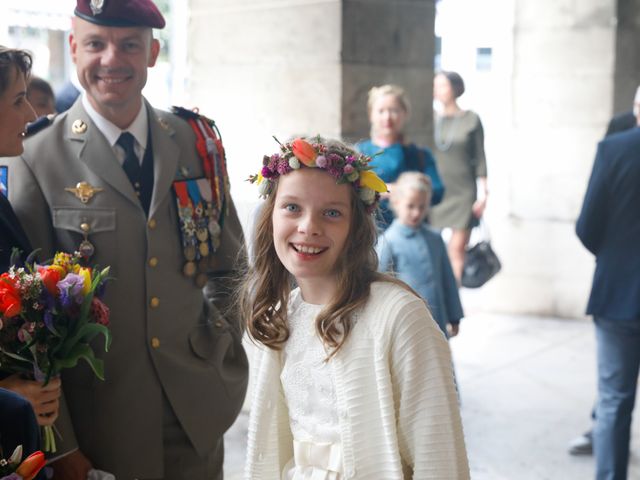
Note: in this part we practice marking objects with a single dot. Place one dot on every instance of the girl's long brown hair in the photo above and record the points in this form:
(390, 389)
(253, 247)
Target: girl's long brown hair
(264, 293)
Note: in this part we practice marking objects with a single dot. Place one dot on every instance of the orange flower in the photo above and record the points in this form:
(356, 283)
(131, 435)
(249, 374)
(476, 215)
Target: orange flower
(304, 152)
(50, 277)
(32, 465)
(10, 303)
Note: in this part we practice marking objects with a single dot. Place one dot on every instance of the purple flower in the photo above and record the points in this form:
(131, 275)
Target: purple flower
(13, 476)
(265, 172)
(70, 289)
(283, 166)
(48, 319)
(334, 159)
(348, 168)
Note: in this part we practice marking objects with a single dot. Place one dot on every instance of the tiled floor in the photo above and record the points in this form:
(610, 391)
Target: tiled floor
(527, 385)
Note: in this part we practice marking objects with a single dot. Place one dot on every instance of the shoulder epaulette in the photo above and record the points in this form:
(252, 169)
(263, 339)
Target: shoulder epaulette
(39, 124)
(195, 115)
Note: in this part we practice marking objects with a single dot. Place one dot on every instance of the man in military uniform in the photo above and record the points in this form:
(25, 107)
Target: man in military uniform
(108, 178)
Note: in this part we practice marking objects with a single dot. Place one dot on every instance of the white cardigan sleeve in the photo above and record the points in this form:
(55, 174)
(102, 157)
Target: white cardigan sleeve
(430, 432)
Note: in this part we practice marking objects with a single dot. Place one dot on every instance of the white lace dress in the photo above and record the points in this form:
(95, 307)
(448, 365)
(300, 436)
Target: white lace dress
(308, 385)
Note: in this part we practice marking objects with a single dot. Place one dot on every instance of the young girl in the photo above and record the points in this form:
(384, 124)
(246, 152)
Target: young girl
(417, 254)
(352, 378)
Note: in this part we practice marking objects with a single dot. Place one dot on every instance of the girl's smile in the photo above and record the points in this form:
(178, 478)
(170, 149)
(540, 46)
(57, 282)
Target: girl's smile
(311, 222)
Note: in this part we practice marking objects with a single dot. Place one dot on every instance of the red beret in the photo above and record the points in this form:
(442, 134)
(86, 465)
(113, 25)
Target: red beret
(120, 13)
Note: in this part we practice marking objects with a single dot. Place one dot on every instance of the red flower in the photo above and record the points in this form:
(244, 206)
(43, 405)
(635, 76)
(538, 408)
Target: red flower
(99, 312)
(50, 277)
(304, 152)
(10, 303)
(32, 465)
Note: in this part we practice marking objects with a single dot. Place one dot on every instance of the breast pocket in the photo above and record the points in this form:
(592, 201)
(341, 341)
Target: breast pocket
(75, 225)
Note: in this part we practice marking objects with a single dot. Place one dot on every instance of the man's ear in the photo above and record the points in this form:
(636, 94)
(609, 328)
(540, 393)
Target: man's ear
(155, 51)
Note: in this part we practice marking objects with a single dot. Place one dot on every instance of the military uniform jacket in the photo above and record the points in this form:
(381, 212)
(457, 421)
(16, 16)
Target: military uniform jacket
(167, 335)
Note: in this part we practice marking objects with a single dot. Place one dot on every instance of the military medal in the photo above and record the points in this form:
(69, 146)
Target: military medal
(84, 191)
(189, 269)
(86, 248)
(202, 201)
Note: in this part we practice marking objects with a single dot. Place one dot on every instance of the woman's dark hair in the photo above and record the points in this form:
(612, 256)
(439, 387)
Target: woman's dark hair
(37, 83)
(457, 84)
(12, 61)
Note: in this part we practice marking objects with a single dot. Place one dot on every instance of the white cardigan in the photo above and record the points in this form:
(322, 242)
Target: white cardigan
(397, 403)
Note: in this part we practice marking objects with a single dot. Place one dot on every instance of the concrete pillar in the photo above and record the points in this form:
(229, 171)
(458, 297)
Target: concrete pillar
(627, 73)
(290, 67)
(564, 71)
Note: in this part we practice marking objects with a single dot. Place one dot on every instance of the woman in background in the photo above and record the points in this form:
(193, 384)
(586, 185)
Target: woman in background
(459, 149)
(389, 109)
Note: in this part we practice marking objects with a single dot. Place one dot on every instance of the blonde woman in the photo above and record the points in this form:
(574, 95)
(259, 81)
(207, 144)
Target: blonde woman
(389, 109)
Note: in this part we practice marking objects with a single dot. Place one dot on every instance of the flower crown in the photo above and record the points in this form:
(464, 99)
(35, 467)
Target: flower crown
(344, 166)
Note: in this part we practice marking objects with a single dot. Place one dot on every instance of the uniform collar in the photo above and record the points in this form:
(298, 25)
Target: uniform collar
(139, 128)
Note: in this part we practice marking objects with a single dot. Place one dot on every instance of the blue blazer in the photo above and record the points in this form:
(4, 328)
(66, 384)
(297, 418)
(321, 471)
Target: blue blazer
(418, 257)
(609, 227)
(18, 425)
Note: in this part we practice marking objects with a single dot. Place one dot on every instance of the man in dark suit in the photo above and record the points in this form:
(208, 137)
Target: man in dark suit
(583, 444)
(18, 425)
(609, 227)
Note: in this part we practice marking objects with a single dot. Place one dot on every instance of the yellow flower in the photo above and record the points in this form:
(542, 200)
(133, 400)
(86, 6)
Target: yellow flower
(370, 180)
(85, 273)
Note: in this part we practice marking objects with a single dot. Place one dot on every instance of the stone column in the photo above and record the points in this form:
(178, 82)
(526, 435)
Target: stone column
(627, 73)
(565, 70)
(290, 67)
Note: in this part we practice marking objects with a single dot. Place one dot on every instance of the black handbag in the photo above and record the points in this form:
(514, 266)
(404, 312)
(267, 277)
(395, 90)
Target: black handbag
(480, 261)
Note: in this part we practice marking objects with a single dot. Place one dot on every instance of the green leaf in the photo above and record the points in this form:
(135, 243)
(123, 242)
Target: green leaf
(16, 356)
(80, 351)
(89, 331)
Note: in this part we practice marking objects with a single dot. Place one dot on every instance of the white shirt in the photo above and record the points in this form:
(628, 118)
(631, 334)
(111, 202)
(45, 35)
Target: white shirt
(139, 128)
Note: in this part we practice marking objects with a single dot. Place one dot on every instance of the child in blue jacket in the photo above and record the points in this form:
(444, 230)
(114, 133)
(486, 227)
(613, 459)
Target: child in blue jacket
(416, 253)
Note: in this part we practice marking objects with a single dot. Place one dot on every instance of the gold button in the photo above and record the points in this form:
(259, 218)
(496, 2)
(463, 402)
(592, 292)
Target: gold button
(153, 261)
(155, 342)
(155, 302)
(152, 223)
(219, 324)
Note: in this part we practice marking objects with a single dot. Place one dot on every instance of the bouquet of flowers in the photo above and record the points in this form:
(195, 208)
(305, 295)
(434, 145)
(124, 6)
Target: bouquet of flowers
(49, 314)
(14, 469)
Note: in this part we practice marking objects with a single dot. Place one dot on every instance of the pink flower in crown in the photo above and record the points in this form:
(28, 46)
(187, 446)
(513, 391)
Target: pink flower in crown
(321, 161)
(348, 168)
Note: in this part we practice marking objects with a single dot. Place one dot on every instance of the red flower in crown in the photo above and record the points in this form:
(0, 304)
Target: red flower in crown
(304, 152)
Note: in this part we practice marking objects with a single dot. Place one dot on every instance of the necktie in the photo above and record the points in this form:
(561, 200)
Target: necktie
(131, 163)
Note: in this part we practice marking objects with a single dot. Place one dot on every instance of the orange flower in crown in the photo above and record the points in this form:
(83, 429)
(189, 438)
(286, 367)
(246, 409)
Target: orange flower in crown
(345, 165)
